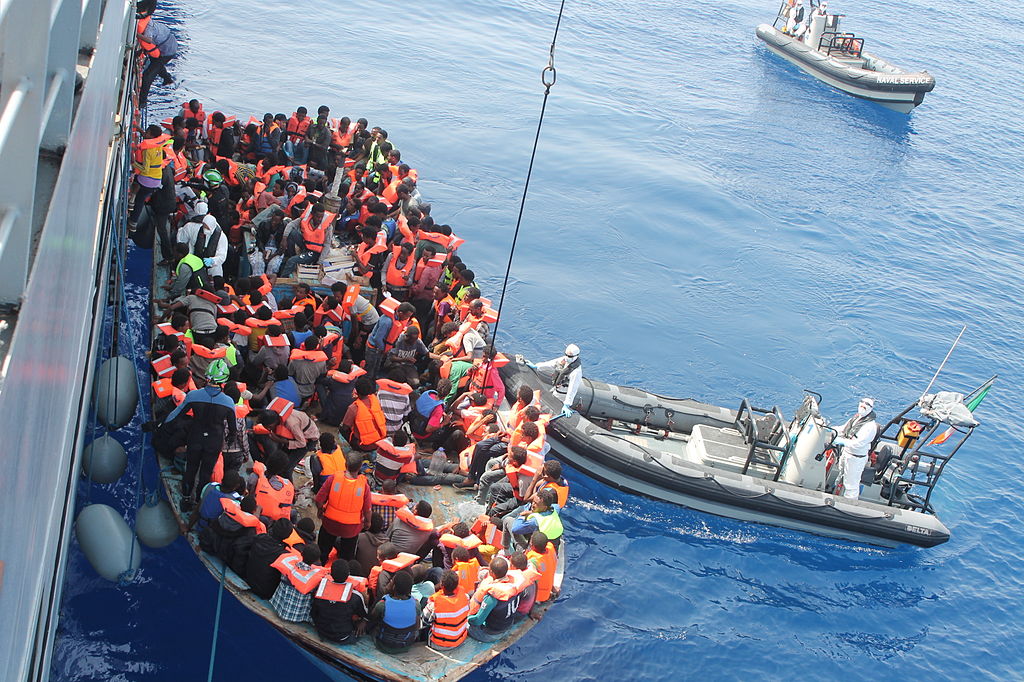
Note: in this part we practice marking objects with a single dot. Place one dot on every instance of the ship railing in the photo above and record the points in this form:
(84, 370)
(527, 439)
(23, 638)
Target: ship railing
(764, 430)
(911, 473)
(841, 44)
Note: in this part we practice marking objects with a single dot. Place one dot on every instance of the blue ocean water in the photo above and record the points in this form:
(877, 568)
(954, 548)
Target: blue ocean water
(704, 220)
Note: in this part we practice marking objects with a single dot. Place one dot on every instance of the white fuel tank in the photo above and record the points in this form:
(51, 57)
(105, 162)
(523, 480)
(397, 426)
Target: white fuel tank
(802, 468)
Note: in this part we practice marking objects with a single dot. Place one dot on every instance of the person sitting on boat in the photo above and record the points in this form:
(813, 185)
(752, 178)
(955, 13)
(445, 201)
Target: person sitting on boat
(230, 536)
(412, 531)
(369, 542)
(337, 609)
(231, 487)
(495, 603)
(568, 372)
(550, 477)
(501, 481)
(543, 517)
(856, 437)
(519, 562)
(544, 558)
(302, 574)
(259, 572)
(396, 617)
(795, 19)
(447, 611)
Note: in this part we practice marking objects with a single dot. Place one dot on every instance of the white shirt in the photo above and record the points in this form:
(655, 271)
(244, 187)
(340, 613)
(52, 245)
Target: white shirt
(575, 377)
(188, 233)
(860, 443)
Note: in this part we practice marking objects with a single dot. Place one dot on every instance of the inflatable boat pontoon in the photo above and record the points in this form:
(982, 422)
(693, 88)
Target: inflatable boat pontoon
(815, 43)
(751, 463)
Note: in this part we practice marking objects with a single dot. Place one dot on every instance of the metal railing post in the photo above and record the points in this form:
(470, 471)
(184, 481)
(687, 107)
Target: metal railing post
(60, 86)
(24, 33)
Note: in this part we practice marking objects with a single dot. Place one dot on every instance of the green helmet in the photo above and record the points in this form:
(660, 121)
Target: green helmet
(217, 372)
(213, 178)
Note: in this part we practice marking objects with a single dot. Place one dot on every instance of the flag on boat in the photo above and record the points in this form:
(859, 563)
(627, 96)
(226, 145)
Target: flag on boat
(971, 405)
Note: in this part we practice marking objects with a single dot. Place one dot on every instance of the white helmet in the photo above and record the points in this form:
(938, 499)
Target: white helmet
(572, 351)
(202, 208)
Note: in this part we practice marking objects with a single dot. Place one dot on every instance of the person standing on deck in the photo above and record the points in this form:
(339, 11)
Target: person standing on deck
(213, 415)
(568, 373)
(159, 45)
(206, 239)
(856, 437)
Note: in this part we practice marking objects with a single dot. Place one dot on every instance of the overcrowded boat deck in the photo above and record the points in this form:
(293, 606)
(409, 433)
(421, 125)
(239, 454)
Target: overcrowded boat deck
(334, 436)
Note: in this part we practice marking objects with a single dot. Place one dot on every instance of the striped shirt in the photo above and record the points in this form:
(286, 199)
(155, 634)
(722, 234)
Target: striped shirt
(394, 406)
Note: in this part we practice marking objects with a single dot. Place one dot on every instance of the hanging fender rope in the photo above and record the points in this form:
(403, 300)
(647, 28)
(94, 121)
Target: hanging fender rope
(548, 76)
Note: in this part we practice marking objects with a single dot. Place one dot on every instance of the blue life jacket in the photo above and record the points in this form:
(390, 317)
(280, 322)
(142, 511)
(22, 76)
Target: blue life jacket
(427, 402)
(401, 626)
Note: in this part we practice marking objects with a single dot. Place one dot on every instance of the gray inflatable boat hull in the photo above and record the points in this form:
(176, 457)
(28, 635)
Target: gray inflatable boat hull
(890, 86)
(624, 464)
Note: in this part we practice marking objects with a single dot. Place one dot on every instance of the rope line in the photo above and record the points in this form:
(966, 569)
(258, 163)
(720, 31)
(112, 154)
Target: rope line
(548, 77)
(216, 622)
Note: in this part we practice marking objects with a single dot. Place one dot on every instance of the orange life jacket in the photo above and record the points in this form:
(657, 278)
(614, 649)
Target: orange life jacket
(345, 499)
(561, 490)
(334, 592)
(451, 540)
(303, 580)
(370, 425)
(487, 531)
(233, 510)
(295, 128)
(398, 276)
(402, 561)
(332, 463)
(382, 500)
(469, 574)
(545, 563)
(405, 515)
(451, 619)
(276, 503)
(164, 388)
(187, 113)
(404, 458)
(311, 355)
(314, 235)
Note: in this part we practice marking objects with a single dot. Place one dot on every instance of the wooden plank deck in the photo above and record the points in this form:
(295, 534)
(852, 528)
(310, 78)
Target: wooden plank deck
(421, 662)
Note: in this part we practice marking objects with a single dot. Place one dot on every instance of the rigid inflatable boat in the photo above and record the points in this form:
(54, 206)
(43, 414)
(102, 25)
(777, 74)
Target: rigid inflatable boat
(752, 463)
(815, 43)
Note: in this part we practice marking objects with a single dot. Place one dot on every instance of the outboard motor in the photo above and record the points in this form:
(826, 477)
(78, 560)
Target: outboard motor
(803, 468)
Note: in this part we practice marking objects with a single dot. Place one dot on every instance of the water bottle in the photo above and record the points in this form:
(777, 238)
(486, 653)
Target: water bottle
(437, 462)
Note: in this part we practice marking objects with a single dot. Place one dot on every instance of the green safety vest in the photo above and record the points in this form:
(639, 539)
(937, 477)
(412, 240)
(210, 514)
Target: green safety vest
(194, 262)
(549, 524)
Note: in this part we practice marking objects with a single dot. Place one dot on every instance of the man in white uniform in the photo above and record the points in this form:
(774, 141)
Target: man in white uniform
(856, 437)
(213, 243)
(568, 372)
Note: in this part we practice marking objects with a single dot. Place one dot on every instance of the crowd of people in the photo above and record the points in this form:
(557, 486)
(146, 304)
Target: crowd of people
(254, 374)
